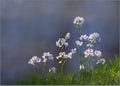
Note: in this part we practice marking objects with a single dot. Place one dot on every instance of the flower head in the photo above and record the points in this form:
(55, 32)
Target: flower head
(60, 62)
(78, 21)
(61, 42)
(61, 55)
(79, 43)
(69, 55)
(93, 37)
(47, 55)
(97, 53)
(101, 61)
(73, 50)
(89, 45)
(52, 70)
(34, 60)
(67, 36)
(89, 52)
(81, 67)
(83, 37)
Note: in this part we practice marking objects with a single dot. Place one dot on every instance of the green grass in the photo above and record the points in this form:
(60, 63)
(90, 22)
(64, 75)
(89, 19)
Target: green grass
(108, 74)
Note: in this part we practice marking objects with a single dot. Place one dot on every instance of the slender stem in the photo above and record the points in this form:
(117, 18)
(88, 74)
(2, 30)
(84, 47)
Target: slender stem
(91, 64)
(62, 67)
(79, 54)
(79, 32)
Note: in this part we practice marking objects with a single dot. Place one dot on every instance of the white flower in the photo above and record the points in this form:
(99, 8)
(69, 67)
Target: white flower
(67, 36)
(31, 62)
(66, 44)
(61, 55)
(89, 45)
(78, 21)
(93, 37)
(64, 56)
(102, 61)
(61, 42)
(73, 50)
(79, 43)
(81, 67)
(47, 55)
(97, 53)
(83, 37)
(38, 60)
(98, 61)
(69, 55)
(60, 62)
(34, 60)
(88, 52)
(53, 70)
(44, 60)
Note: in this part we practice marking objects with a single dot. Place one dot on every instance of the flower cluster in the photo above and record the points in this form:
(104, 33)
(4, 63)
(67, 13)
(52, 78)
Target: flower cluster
(52, 70)
(93, 37)
(101, 61)
(79, 43)
(34, 60)
(46, 56)
(90, 53)
(83, 37)
(63, 56)
(78, 21)
(62, 41)
(85, 43)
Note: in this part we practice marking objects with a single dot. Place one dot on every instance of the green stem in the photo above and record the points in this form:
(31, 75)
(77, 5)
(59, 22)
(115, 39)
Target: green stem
(79, 54)
(62, 67)
(91, 64)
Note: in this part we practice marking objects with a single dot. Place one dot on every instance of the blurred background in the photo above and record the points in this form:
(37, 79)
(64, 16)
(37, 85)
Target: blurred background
(31, 27)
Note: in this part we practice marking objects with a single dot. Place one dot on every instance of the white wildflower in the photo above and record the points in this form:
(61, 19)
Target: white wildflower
(44, 60)
(38, 60)
(34, 60)
(66, 44)
(47, 55)
(69, 55)
(60, 62)
(88, 52)
(52, 70)
(101, 61)
(79, 43)
(98, 61)
(89, 45)
(64, 56)
(61, 42)
(93, 37)
(97, 53)
(61, 55)
(67, 36)
(81, 67)
(73, 50)
(78, 21)
(83, 37)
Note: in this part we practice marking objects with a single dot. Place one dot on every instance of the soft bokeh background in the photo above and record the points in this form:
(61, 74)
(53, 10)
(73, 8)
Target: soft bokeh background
(31, 27)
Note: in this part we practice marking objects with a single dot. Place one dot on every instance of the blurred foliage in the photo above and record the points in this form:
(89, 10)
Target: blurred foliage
(107, 74)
